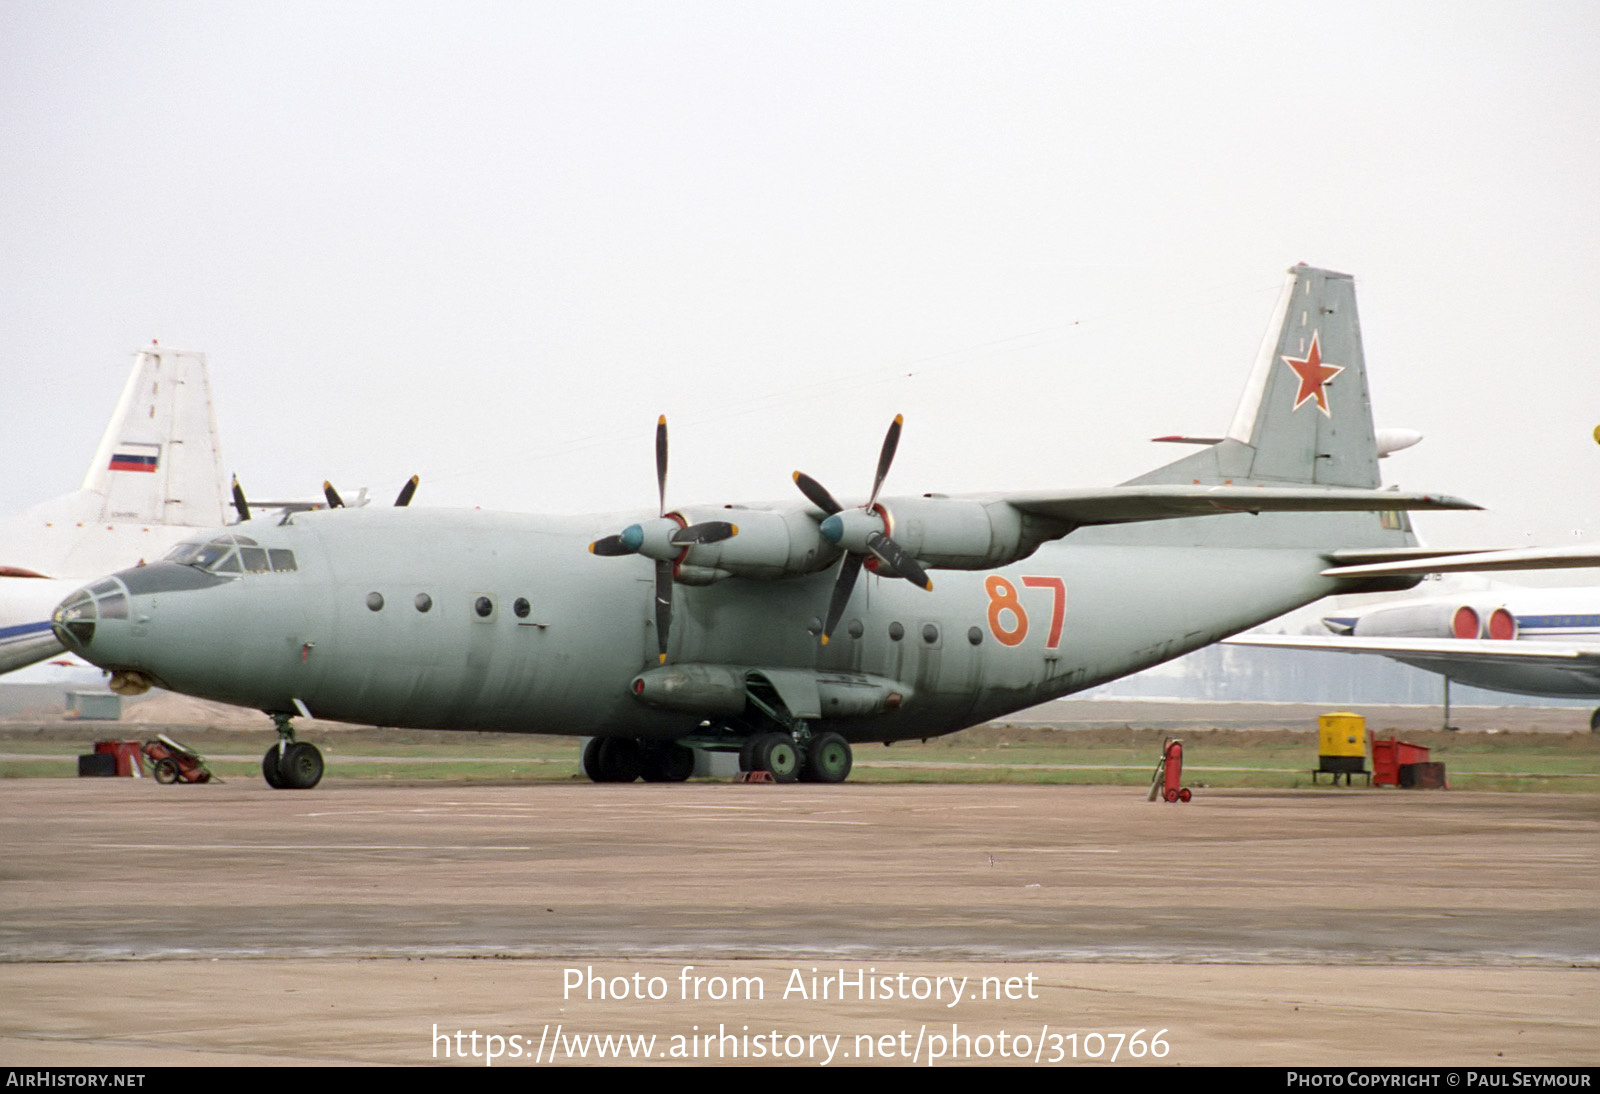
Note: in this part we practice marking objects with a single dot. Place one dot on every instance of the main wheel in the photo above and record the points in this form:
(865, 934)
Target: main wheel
(166, 772)
(270, 768)
(776, 754)
(301, 766)
(614, 760)
(591, 758)
(668, 762)
(828, 760)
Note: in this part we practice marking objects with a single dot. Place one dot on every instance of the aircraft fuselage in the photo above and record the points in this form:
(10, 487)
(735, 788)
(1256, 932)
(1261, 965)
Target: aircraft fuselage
(525, 631)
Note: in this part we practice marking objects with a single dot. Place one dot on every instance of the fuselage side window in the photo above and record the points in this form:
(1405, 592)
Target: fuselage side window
(254, 560)
(282, 560)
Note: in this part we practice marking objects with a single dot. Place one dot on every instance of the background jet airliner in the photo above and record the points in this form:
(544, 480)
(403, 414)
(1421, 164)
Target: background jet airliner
(155, 479)
(1518, 640)
(752, 628)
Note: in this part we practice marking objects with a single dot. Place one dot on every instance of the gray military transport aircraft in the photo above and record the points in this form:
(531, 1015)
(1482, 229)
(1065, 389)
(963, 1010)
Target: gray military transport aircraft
(748, 630)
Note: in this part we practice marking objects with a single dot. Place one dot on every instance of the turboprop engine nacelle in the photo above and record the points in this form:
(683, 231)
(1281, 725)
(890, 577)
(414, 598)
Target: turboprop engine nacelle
(941, 533)
(1438, 621)
(770, 544)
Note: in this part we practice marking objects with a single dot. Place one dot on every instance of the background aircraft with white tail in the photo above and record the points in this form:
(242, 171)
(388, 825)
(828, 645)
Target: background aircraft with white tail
(155, 478)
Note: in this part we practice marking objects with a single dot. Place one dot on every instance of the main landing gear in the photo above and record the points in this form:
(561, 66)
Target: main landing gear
(824, 758)
(291, 764)
(623, 759)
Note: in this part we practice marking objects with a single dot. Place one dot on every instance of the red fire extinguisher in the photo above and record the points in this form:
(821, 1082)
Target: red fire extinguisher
(1169, 774)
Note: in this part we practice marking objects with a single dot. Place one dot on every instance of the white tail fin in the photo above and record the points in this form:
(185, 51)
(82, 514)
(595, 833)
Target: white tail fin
(159, 461)
(156, 474)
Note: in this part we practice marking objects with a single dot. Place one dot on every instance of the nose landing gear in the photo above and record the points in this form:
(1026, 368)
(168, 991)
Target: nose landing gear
(291, 764)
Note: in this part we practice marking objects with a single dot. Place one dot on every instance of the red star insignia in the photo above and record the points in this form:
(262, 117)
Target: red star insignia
(1313, 375)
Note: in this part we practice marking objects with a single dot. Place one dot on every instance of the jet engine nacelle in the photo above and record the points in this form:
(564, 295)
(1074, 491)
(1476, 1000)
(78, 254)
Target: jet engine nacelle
(1461, 620)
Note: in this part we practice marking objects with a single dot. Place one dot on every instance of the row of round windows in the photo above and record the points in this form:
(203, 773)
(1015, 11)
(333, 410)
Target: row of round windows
(897, 631)
(482, 606)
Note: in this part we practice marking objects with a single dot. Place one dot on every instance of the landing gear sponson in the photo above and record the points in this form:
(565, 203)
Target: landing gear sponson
(291, 764)
(824, 758)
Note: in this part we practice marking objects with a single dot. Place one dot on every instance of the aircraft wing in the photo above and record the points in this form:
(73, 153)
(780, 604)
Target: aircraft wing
(1533, 558)
(1439, 654)
(1125, 504)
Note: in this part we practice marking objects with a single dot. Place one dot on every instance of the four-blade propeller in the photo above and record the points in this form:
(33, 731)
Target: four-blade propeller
(863, 534)
(666, 539)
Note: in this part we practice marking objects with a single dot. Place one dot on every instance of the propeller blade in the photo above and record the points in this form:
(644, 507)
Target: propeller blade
(891, 441)
(892, 555)
(611, 547)
(334, 500)
(816, 493)
(848, 572)
(663, 605)
(661, 463)
(710, 531)
(238, 500)
(406, 492)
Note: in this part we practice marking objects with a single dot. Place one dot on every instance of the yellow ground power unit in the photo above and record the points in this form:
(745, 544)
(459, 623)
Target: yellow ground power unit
(1341, 746)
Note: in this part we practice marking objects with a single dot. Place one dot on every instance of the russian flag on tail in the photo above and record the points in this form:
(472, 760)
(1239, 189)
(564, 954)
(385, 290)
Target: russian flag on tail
(135, 456)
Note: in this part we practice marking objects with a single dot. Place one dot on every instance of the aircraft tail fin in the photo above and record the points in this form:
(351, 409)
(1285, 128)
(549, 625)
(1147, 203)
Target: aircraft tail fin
(1306, 415)
(159, 461)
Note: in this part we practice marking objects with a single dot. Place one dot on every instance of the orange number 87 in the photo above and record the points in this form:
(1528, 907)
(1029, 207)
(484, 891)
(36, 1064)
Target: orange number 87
(1003, 600)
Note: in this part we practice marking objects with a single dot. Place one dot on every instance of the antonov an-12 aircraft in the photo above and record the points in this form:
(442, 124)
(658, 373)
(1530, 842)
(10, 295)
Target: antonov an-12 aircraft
(749, 628)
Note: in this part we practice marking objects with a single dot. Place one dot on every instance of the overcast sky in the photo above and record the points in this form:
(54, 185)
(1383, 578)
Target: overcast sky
(490, 243)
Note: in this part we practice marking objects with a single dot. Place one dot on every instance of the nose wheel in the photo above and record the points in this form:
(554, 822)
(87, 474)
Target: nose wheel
(291, 764)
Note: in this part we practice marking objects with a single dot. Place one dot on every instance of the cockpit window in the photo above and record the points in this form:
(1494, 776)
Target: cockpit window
(185, 551)
(212, 553)
(230, 554)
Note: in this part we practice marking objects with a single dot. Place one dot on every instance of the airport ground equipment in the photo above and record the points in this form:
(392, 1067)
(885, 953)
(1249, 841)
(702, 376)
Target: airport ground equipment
(124, 757)
(171, 762)
(1342, 746)
(1168, 778)
(1400, 763)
